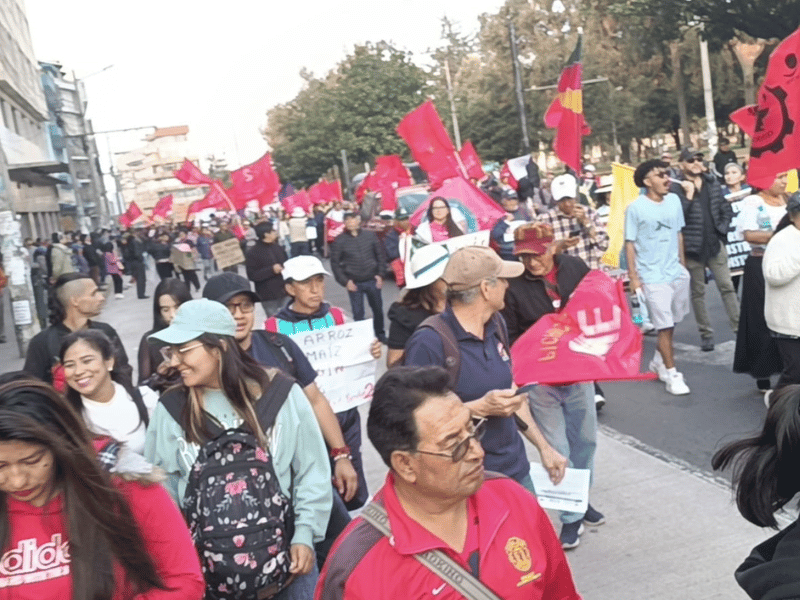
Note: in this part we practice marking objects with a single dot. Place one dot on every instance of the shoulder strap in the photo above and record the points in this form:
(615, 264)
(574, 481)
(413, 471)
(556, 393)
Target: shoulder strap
(502, 330)
(437, 561)
(174, 401)
(338, 315)
(277, 346)
(452, 353)
(271, 402)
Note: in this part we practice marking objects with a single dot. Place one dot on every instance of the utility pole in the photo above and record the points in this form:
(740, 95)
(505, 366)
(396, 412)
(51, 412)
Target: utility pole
(523, 123)
(456, 130)
(708, 96)
(346, 172)
(17, 264)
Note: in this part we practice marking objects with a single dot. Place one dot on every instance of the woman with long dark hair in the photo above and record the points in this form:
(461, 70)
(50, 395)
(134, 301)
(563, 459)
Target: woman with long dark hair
(765, 479)
(221, 383)
(439, 225)
(97, 536)
(101, 390)
(756, 351)
(169, 295)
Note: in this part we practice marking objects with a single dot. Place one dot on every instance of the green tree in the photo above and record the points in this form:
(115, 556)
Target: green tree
(356, 108)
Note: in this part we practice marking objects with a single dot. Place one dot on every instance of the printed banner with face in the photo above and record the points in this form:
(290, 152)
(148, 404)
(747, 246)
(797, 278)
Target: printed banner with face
(591, 339)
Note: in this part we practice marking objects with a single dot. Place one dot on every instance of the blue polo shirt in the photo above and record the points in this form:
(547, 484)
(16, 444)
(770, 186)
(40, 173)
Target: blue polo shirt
(485, 366)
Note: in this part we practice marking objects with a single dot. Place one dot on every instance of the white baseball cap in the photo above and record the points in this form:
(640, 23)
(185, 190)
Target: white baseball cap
(564, 186)
(301, 268)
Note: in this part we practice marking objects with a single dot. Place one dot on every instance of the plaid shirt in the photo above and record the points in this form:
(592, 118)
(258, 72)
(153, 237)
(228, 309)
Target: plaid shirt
(588, 248)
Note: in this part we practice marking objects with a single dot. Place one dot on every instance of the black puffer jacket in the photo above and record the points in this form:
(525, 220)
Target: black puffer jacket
(721, 213)
(357, 257)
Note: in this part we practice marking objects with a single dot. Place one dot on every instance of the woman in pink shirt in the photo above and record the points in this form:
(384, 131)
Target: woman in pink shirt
(440, 225)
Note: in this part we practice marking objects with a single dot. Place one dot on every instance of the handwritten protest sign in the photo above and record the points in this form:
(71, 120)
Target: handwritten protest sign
(738, 250)
(345, 368)
(227, 253)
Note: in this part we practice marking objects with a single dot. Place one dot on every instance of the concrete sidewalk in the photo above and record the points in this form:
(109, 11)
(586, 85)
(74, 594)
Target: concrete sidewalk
(671, 532)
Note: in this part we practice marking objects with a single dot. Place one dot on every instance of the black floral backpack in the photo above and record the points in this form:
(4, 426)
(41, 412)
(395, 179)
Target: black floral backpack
(240, 520)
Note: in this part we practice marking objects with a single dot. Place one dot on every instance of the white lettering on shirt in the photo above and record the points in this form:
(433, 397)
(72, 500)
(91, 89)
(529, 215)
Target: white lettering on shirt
(30, 563)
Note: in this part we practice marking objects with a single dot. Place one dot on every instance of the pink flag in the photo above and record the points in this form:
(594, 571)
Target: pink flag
(430, 144)
(191, 175)
(163, 207)
(591, 339)
(466, 201)
(471, 161)
(256, 181)
(129, 216)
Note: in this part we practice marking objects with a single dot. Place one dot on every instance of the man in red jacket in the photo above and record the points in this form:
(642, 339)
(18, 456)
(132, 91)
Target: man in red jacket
(438, 497)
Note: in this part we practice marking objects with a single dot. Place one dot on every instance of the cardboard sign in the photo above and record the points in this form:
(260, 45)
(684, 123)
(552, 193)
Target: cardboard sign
(227, 253)
(341, 356)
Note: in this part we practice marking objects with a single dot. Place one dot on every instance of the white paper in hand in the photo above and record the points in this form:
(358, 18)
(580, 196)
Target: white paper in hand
(571, 495)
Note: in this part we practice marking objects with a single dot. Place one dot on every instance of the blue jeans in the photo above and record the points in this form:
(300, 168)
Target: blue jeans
(370, 288)
(567, 418)
(302, 588)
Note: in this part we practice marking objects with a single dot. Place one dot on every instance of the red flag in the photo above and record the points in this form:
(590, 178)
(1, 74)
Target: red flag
(471, 161)
(216, 197)
(334, 190)
(391, 168)
(388, 195)
(507, 177)
(194, 208)
(191, 175)
(256, 181)
(774, 123)
(332, 229)
(163, 207)
(130, 215)
(367, 184)
(566, 112)
(467, 203)
(591, 339)
(430, 145)
(300, 199)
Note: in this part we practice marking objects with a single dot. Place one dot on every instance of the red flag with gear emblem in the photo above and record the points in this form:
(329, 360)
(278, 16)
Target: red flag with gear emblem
(592, 338)
(565, 114)
(774, 123)
(129, 216)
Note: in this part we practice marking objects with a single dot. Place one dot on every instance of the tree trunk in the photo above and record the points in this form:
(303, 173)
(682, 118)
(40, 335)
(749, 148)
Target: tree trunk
(676, 136)
(680, 93)
(747, 54)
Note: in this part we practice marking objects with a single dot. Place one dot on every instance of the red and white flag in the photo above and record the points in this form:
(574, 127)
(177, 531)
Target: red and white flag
(190, 174)
(591, 339)
(129, 216)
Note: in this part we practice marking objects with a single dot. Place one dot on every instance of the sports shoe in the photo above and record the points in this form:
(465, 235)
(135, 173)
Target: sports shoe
(767, 395)
(119, 296)
(570, 534)
(657, 367)
(647, 328)
(707, 344)
(593, 517)
(599, 401)
(676, 385)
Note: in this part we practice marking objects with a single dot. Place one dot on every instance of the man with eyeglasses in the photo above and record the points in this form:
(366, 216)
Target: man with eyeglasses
(438, 496)
(708, 216)
(280, 351)
(656, 264)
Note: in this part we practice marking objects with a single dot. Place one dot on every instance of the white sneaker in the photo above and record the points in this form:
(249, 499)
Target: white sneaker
(119, 296)
(657, 367)
(599, 401)
(767, 395)
(676, 385)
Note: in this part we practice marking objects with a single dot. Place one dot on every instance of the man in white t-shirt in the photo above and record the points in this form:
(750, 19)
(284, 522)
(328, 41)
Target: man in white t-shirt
(656, 263)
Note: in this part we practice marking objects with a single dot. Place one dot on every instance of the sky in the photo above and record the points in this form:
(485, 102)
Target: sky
(219, 66)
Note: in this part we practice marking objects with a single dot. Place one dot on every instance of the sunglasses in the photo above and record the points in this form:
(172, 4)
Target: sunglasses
(694, 159)
(461, 448)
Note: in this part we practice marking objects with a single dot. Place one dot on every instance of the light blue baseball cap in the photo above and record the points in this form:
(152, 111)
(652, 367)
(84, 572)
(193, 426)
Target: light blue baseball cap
(193, 319)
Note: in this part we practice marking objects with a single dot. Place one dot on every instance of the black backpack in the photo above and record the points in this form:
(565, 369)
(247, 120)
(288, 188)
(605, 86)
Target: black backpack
(240, 520)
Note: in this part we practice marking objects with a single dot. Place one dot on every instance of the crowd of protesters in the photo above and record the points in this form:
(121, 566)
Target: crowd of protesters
(227, 416)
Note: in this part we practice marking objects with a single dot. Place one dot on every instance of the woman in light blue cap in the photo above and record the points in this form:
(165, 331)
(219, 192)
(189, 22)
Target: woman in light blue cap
(222, 384)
